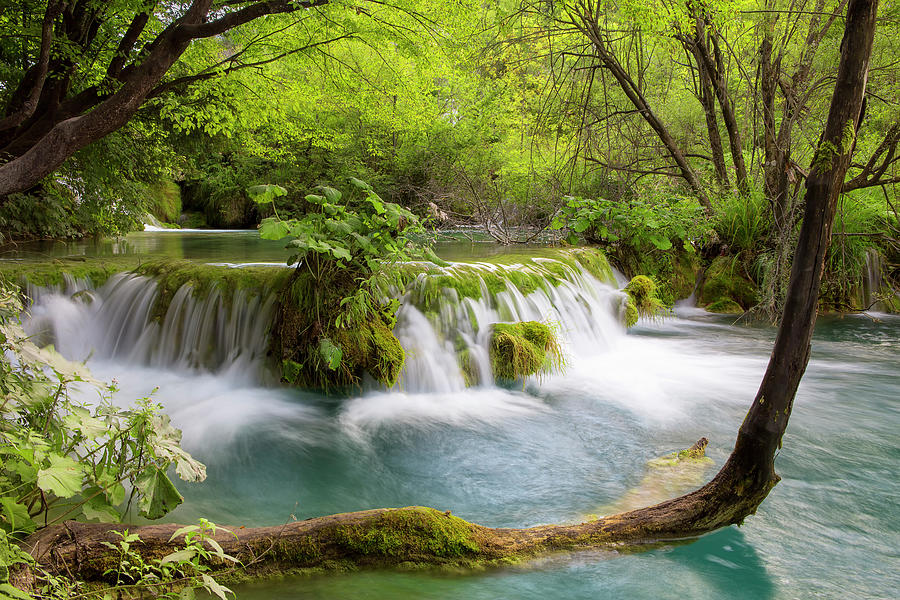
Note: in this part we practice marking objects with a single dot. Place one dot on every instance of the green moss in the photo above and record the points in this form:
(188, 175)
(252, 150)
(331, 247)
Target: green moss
(725, 306)
(371, 347)
(631, 313)
(308, 313)
(642, 299)
(518, 350)
(467, 367)
(594, 262)
(53, 272)
(170, 275)
(165, 200)
(408, 534)
(725, 279)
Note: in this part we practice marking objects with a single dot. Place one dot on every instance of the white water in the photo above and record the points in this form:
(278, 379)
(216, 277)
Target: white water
(116, 322)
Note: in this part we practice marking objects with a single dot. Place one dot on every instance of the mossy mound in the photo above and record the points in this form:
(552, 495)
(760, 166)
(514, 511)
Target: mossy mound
(518, 350)
(726, 280)
(725, 306)
(642, 300)
(50, 273)
(315, 352)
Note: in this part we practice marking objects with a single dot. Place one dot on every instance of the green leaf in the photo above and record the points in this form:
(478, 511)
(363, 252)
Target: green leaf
(331, 194)
(8, 592)
(265, 194)
(661, 243)
(214, 587)
(15, 517)
(315, 199)
(273, 229)
(360, 183)
(99, 508)
(340, 252)
(581, 224)
(158, 493)
(330, 353)
(63, 477)
(179, 556)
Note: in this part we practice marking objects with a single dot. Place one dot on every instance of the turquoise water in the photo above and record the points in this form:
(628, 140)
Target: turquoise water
(569, 446)
(560, 449)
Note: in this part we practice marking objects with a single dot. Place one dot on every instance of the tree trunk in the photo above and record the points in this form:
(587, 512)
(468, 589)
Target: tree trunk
(588, 25)
(423, 535)
(708, 102)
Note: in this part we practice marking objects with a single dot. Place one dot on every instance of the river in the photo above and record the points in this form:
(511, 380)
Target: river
(557, 450)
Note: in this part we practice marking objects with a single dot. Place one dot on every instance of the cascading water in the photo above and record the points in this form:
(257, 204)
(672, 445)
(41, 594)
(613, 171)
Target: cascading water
(208, 332)
(116, 321)
(585, 311)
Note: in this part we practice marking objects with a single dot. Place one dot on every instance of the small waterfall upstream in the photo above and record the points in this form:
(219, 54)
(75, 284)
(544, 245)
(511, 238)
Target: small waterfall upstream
(116, 321)
(442, 324)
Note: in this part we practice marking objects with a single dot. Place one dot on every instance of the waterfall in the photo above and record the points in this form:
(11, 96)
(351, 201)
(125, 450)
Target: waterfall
(444, 324)
(872, 281)
(440, 334)
(197, 332)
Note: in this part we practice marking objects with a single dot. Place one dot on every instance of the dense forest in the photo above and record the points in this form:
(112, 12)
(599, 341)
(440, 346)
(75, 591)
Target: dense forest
(739, 154)
(651, 130)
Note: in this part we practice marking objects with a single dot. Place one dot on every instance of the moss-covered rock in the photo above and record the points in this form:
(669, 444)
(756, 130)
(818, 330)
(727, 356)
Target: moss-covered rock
(315, 352)
(518, 350)
(726, 280)
(725, 306)
(642, 300)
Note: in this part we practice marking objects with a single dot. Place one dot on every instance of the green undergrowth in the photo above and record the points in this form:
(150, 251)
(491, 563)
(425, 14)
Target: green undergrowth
(318, 344)
(518, 350)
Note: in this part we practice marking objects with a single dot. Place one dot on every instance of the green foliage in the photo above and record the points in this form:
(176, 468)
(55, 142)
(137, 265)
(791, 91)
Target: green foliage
(743, 223)
(64, 457)
(656, 235)
(164, 200)
(335, 322)
(518, 350)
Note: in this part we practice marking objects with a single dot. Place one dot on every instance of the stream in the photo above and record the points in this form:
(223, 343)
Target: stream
(558, 449)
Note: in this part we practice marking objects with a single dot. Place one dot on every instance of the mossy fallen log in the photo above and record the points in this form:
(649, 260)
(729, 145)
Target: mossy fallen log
(410, 537)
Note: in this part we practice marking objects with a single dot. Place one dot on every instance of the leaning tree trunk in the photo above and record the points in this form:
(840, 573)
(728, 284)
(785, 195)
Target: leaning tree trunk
(424, 535)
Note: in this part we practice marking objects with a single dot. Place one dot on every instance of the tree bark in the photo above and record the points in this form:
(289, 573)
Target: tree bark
(423, 535)
(59, 126)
